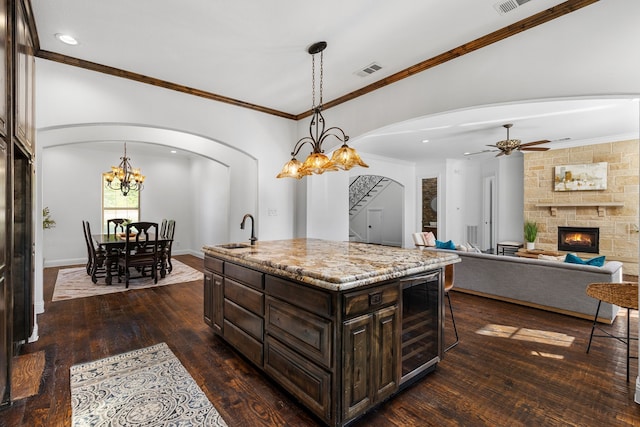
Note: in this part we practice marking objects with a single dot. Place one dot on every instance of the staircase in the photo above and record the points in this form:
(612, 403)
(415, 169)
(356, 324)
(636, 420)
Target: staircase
(363, 190)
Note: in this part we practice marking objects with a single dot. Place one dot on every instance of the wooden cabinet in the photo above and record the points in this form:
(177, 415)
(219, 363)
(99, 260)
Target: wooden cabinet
(17, 148)
(234, 305)
(339, 353)
(213, 293)
(208, 298)
(24, 128)
(371, 347)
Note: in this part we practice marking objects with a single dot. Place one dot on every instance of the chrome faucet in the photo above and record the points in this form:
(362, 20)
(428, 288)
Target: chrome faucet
(253, 232)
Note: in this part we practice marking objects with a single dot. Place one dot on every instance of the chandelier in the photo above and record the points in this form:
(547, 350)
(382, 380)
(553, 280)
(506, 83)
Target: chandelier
(124, 177)
(317, 162)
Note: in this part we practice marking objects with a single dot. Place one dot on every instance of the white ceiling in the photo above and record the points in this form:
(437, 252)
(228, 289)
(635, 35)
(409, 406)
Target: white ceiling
(256, 52)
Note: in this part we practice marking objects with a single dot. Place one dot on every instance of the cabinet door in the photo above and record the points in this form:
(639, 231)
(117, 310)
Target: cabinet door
(358, 366)
(3, 66)
(386, 352)
(217, 295)
(213, 301)
(208, 298)
(24, 72)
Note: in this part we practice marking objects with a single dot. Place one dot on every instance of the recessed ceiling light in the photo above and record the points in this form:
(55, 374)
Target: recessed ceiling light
(173, 151)
(66, 39)
(424, 141)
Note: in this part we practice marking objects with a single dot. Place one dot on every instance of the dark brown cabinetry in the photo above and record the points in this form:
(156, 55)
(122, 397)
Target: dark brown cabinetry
(338, 352)
(371, 347)
(24, 128)
(17, 147)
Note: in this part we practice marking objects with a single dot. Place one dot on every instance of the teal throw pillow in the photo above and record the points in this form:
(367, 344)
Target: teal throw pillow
(596, 262)
(574, 259)
(445, 245)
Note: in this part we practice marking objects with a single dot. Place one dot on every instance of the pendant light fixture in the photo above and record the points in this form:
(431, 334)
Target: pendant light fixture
(124, 177)
(317, 162)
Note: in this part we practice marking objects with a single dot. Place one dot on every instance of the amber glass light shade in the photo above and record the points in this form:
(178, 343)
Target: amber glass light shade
(346, 157)
(317, 163)
(292, 170)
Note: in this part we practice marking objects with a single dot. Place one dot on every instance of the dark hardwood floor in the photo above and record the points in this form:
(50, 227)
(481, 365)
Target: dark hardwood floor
(514, 366)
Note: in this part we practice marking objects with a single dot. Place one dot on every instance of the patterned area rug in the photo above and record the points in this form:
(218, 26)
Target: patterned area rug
(146, 387)
(76, 283)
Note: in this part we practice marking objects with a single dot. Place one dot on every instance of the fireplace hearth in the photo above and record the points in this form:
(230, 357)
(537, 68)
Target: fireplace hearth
(579, 239)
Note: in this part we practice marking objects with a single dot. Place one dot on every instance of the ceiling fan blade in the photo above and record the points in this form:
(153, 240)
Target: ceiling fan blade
(479, 152)
(492, 145)
(533, 148)
(542, 141)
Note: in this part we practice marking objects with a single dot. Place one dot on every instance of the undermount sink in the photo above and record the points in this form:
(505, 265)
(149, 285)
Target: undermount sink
(233, 246)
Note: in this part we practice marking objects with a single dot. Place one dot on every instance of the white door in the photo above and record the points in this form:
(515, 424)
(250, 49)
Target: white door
(489, 206)
(374, 226)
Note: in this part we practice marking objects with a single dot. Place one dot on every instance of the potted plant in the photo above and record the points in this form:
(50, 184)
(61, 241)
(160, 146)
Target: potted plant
(47, 221)
(530, 233)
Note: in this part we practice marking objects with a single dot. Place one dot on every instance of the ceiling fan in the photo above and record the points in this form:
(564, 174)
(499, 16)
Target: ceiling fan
(507, 146)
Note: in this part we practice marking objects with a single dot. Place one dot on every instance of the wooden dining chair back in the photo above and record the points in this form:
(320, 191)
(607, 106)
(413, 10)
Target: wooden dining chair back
(117, 224)
(87, 243)
(170, 231)
(96, 258)
(140, 251)
(163, 228)
(622, 294)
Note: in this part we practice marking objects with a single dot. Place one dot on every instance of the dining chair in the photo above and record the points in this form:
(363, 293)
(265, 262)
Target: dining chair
(171, 228)
(117, 224)
(96, 258)
(140, 251)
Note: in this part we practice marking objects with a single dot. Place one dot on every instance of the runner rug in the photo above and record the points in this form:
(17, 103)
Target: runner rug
(145, 387)
(76, 283)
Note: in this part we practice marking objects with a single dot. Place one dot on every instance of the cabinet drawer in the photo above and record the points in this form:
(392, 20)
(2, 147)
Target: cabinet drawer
(371, 299)
(305, 380)
(244, 296)
(245, 344)
(246, 275)
(213, 264)
(309, 334)
(244, 319)
(310, 299)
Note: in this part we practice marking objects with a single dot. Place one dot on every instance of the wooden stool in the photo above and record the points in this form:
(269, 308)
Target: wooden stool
(623, 294)
(448, 285)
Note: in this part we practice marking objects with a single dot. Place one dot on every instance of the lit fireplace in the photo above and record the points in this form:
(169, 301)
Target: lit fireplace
(579, 239)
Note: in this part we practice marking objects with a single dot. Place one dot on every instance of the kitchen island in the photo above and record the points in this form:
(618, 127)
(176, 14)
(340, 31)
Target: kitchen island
(342, 326)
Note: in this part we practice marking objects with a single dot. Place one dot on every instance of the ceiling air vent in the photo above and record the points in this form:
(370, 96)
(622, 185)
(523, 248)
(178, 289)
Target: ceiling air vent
(508, 5)
(369, 69)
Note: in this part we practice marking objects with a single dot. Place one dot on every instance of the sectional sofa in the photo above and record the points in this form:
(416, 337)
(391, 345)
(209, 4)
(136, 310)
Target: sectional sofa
(549, 285)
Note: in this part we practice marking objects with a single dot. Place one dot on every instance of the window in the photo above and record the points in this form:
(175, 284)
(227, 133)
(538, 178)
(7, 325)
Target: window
(115, 205)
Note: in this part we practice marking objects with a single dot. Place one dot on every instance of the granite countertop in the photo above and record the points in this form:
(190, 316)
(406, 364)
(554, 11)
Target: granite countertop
(331, 264)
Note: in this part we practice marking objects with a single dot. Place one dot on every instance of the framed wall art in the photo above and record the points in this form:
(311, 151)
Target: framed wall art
(590, 176)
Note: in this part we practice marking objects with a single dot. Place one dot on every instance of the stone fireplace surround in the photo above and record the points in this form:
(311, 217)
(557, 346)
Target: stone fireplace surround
(614, 210)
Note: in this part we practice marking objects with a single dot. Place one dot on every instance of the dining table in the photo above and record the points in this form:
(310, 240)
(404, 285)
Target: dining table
(110, 244)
